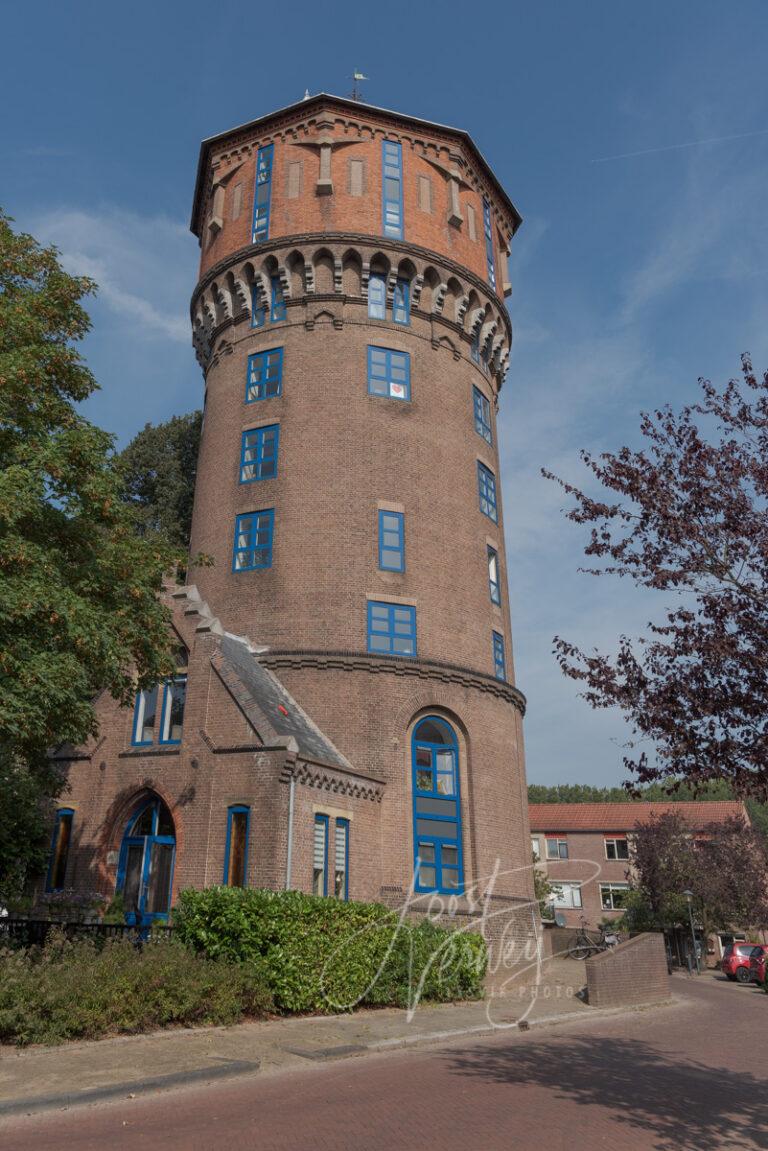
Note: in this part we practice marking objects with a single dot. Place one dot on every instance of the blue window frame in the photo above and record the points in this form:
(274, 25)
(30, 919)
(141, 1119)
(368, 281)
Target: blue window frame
(341, 860)
(145, 864)
(253, 540)
(263, 192)
(258, 454)
(389, 373)
(320, 856)
(391, 541)
(392, 188)
(482, 415)
(499, 666)
(277, 311)
(493, 575)
(401, 302)
(391, 629)
(236, 851)
(258, 311)
(60, 841)
(377, 296)
(486, 483)
(489, 243)
(438, 860)
(158, 714)
(265, 375)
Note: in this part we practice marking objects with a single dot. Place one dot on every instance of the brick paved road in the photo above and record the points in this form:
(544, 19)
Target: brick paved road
(687, 1077)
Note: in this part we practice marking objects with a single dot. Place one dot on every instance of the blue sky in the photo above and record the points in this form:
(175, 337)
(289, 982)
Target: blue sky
(633, 274)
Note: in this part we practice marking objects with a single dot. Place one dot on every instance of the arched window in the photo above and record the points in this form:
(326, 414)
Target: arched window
(436, 807)
(145, 868)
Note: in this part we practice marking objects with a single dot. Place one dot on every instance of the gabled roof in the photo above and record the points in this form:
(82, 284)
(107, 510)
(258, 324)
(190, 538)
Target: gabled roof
(627, 816)
(308, 104)
(277, 706)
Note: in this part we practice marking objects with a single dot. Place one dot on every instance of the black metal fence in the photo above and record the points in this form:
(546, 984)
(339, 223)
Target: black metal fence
(34, 932)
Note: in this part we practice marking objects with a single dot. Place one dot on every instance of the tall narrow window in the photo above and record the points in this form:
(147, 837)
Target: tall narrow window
(486, 482)
(341, 860)
(391, 629)
(320, 856)
(62, 836)
(482, 415)
(145, 715)
(265, 375)
(389, 373)
(401, 303)
(474, 347)
(258, 454)
(499, 668)
(253, 541)
(258, 310)
(493, 576)
(263, 193)
(489, 243)
(158, 715)
(236, 852)
(277, 311)
(392, 164)
(377, 296)
(391, 541)
(436, 807)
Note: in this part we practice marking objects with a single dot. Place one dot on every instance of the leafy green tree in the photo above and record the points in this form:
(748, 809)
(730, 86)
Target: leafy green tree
(79, 608)
(159, 467)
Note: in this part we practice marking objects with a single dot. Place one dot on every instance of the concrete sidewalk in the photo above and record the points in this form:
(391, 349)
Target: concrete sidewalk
(45, 1078)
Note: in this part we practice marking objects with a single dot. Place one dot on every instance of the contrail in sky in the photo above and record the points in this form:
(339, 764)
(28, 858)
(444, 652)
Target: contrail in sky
(675, 147)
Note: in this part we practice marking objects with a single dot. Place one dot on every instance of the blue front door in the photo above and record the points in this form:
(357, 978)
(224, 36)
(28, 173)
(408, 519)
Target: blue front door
(145, 869)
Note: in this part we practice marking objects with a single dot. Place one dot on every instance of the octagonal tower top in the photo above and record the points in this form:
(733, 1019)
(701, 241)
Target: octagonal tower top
(327, 164)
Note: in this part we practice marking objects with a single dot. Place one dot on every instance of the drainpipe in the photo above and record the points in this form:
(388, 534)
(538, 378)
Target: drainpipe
(289, 854)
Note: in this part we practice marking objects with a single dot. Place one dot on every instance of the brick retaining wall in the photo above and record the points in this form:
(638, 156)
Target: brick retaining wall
(633, 972)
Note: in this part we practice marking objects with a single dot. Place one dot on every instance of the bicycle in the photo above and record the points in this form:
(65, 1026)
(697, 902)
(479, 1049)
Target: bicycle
(584, 946)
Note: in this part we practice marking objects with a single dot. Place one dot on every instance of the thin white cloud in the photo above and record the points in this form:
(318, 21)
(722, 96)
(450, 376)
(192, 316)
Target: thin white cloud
(142, 265)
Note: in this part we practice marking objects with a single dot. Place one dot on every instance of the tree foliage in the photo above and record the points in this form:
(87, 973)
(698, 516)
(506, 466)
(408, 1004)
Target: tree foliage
(686, 516)
(79, 611)
(159, 466)
(724, 865)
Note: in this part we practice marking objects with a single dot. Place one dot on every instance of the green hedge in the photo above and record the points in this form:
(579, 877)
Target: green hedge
(78, 990)
(327, 955)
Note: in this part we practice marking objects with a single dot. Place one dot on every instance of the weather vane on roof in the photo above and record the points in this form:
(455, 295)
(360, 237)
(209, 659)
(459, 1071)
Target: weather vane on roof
(356, 94)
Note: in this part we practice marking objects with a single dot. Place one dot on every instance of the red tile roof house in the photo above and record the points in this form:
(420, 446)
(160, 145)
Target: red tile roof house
(584, 848)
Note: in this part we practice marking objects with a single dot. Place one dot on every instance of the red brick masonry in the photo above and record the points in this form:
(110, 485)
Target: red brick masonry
(633, 972)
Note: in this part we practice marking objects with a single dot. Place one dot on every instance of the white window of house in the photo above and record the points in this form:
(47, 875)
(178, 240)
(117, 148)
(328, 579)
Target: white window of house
(557, 848)
(566, 895)
(613, 896)
(617, 848)
(535, 847)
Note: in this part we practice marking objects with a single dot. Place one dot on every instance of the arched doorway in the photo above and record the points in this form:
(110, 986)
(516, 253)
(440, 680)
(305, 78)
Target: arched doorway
(145, 867)
(436, 807)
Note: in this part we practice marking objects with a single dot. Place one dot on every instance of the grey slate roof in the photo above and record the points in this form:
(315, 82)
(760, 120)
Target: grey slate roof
(269, 695)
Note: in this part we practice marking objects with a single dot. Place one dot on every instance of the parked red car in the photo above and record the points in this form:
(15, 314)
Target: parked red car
(737, 961)
(757, 964)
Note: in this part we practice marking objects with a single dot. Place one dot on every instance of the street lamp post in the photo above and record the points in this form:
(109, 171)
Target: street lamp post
(689, 900)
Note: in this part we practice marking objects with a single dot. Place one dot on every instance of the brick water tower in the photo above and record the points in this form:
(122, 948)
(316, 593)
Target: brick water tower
(350, 322)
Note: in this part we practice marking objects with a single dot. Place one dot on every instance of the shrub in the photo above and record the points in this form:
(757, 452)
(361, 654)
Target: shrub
(326, 955)
(77, 990)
